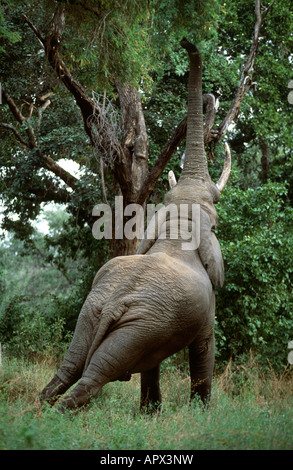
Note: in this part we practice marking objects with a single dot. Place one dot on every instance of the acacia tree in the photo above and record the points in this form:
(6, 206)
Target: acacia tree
(121, 145)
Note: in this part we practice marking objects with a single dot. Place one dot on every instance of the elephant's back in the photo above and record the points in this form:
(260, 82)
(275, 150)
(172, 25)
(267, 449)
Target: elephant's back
(159, 284)
(154, 282)
(157, 299)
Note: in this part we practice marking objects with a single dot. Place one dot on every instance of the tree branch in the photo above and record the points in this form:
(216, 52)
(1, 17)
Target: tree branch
(32, 141)
(53, 166)
(34, 29)
(245, 81)
(85, 103)
(134, 142)
(15, 132)
(50, 194)
(46, 161)
(162, 161)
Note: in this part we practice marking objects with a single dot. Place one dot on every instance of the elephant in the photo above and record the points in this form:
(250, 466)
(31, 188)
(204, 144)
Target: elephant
(145, 307)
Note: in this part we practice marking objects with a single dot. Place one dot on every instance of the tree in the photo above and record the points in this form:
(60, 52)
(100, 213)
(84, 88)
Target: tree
(128, 49)
(124, 59)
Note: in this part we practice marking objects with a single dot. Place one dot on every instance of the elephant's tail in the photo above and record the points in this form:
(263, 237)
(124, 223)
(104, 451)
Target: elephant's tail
(110, 313)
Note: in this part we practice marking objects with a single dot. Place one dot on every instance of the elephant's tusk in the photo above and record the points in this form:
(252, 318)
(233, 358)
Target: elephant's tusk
(172, 179)
(226, 170)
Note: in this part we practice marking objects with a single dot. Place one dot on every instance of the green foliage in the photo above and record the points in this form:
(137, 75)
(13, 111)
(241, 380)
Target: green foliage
(43, 286)
(265, 114)
(111, 42)
(254, 308)
(195, 19)
(27, 332)
(7, 32)
(139, 42)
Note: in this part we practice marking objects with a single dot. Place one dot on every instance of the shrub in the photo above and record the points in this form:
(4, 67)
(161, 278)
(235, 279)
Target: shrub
(25, 331)
(254, 308)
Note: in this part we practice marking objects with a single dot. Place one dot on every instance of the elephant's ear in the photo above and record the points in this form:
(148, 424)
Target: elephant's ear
(210, 251)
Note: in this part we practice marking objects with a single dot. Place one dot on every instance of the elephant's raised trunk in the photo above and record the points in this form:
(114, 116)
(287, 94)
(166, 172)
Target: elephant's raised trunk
(195, 164)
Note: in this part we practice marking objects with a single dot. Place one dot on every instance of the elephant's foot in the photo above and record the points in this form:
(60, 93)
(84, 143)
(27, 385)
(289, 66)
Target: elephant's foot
(201, 389)
(53, 391)
(80, 396)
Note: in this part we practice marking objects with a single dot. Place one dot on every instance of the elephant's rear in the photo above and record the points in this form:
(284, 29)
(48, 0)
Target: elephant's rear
(159, 308)
(140, 310)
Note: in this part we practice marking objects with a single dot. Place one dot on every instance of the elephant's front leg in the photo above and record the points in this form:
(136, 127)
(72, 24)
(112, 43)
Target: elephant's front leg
(201, 363)
(150, 389)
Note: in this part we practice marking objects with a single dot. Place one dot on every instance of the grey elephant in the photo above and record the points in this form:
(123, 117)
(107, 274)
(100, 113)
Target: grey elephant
(145, 307)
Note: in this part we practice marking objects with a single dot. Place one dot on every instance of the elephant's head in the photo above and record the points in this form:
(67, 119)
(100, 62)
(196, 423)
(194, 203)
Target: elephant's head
(195, 185)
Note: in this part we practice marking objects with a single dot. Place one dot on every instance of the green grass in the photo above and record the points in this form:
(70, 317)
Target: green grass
(248, 411)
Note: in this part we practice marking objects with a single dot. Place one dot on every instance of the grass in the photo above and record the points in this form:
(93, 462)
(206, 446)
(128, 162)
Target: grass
(248, 411)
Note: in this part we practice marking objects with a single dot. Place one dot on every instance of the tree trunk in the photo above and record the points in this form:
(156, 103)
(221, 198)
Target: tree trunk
(124, 247)
(135, 147)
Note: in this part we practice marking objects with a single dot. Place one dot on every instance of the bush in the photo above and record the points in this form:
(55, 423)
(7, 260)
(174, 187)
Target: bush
(254, 308)
(25, 331)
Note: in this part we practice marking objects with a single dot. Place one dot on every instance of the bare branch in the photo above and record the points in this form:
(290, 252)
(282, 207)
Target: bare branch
(46, 161)
(53, 166)
(15, 132)
(20, 118)
(162, 161)
(13, 107)
(105, 119)
(34, 29)
(267, 10)
(87, 105)
(245, 81)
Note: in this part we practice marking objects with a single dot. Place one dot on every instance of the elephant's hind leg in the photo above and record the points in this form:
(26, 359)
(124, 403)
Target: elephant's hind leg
(72, 366)
(101, 370)
(53, 390)
(150, 398)
(201, 363)
(116, 357)
(65, 377)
